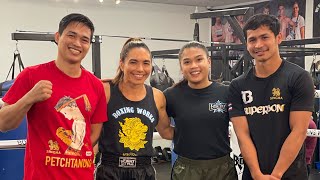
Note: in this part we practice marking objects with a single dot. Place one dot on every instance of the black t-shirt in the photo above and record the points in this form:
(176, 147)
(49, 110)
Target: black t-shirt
(266, 103)
(130, 125)
(201, 120)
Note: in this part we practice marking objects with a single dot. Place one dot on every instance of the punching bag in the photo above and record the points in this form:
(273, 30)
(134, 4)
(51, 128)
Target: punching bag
(196, 36)
(160, 78)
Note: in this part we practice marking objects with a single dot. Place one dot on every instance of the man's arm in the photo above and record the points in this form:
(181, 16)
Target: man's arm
(96, 127)
(223, 37)
(213, 33)
(302, 32)
(163, 127)
(241, 128)
(290, 22)
(248, 150)
(299, 122)
(12, 115)
(95, 133)
(247, 147)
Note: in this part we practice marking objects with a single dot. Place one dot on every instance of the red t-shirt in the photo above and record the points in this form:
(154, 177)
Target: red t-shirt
(58, 140)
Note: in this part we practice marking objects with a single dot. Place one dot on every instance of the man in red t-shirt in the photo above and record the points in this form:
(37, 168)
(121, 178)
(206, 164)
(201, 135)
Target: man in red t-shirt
(65, 107)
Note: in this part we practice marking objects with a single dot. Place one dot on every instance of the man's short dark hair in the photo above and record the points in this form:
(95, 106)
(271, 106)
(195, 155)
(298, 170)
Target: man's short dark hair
(75, 17)
(258, 20)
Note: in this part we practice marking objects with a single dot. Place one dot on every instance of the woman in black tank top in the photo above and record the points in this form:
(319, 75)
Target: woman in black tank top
(134, 110)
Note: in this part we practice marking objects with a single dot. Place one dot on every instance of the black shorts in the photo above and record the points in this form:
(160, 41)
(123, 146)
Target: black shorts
(125, 168)
(106, 172)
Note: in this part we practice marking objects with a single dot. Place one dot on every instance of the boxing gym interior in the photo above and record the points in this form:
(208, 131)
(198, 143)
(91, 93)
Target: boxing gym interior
(27, 38)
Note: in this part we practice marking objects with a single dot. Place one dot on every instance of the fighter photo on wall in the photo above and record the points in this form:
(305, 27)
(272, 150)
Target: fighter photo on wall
(291, 14)
(316, 18)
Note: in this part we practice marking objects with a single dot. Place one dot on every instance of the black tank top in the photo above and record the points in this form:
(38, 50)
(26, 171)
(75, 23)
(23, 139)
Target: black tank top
(130, 125)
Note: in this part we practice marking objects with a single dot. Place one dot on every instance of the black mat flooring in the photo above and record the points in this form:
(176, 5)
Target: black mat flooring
(163, 170)
(315, 174)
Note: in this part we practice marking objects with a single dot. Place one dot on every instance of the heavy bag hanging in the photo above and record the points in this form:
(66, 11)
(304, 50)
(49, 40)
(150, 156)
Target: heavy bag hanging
(160, 78)
(5, 85)
(14, 167)
(196, 35)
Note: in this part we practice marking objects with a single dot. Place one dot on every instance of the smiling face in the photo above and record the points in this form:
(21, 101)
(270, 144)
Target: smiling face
(218, 20)
(73, 43)
(195, 65)
(295, 9)
(281, 10)
(136, 66)
(262, 44)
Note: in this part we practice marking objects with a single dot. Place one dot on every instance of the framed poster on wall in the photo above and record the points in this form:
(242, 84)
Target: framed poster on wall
(316, 18)
(291, 14)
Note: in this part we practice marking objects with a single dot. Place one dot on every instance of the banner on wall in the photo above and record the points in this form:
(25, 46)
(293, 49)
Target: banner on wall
(291, 14)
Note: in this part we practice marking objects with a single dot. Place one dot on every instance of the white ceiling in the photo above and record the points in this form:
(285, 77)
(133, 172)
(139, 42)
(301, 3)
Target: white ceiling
(200, 3)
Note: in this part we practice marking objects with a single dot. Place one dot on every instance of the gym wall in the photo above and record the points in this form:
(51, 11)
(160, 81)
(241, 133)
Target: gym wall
(125, 19)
